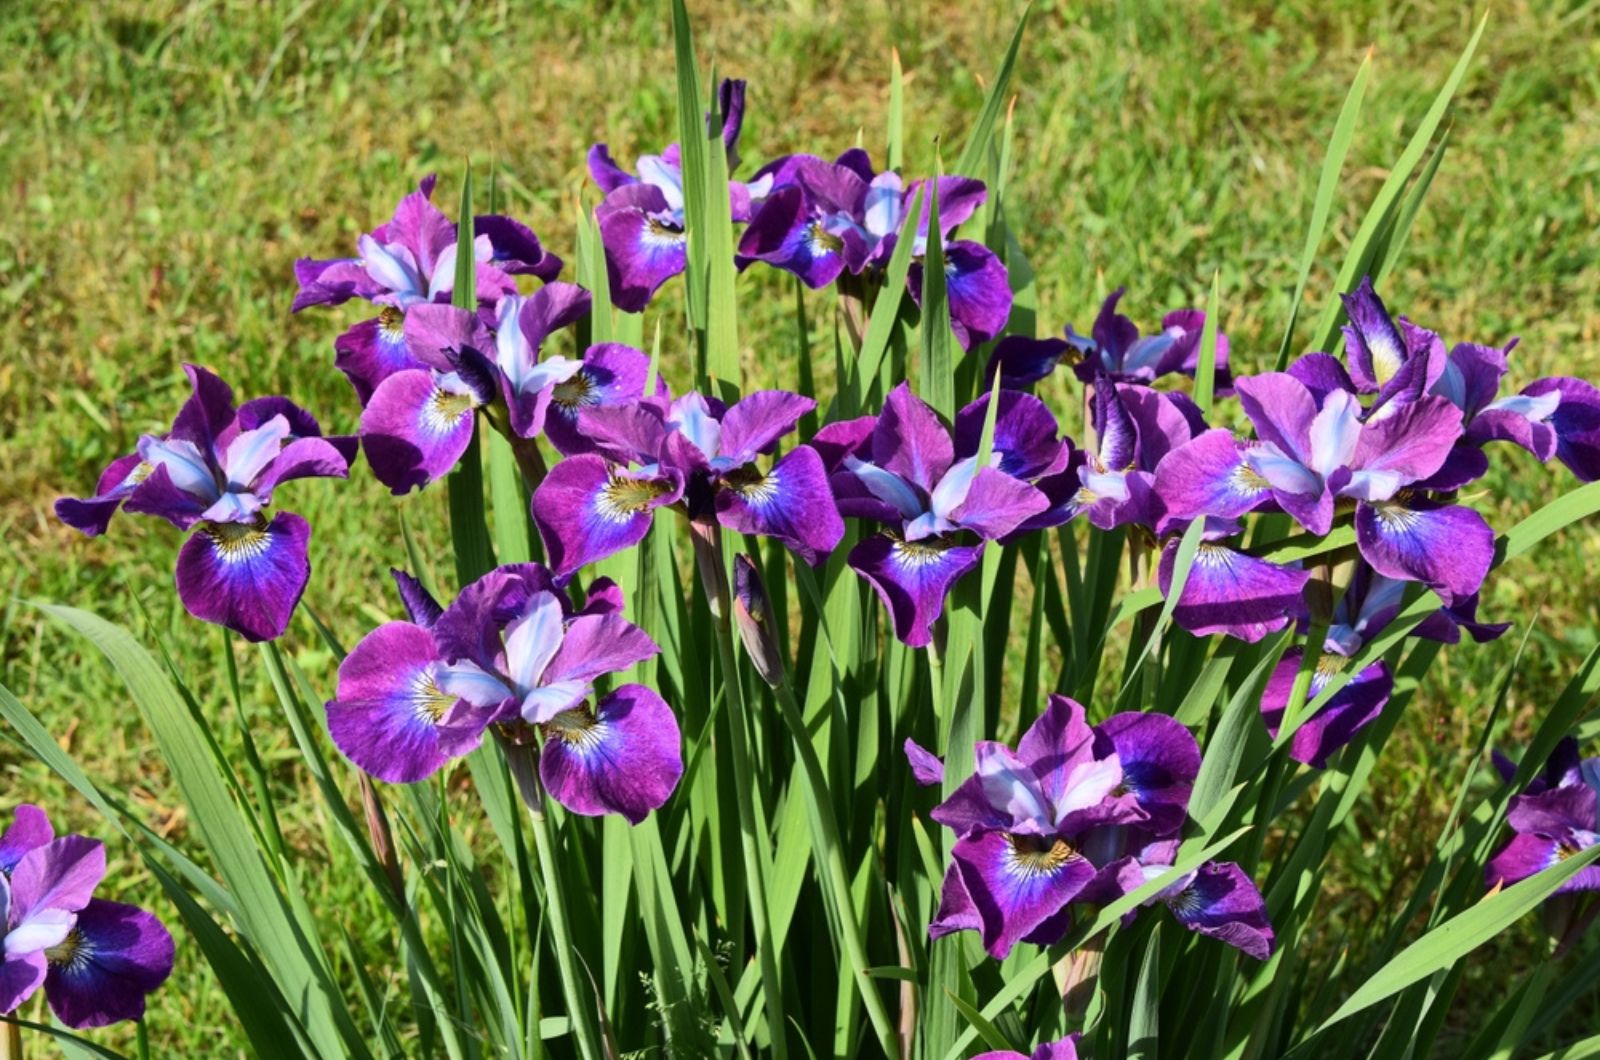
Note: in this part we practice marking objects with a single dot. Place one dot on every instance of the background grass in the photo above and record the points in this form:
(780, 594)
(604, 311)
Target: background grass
(163, 163)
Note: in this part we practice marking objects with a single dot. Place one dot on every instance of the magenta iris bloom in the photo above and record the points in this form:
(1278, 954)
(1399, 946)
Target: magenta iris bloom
(96, 959)
(1231, 592)
(822, 219)
(1555, 817)
(410, 261)
(215, 473)
(420, 420)
(641, 218)
(692, 450)
(901, 469)
(511, 652)
(1025, 818)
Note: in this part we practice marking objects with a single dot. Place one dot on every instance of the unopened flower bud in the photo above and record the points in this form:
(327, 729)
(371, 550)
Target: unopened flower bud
(752, 613)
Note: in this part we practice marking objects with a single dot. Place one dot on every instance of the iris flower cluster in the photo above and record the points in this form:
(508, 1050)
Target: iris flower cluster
(96, 959)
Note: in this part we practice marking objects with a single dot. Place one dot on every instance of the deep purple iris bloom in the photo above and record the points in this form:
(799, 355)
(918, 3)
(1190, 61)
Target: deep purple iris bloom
(1065, 1049)
(1113, 347)
(96, 959)
(642, 215)
(1313, 450)
(694, 450)
(1229, 591)
(511, 652)
(1024, 816)
(901, 468)
(410, 261)
(1555, 817)
(1218, 900)
(420, 420)
(821, 219)
(215, 472)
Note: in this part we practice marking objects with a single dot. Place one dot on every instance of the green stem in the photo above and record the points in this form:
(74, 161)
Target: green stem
(829, 850)
(11, 1042)
(523, 768)
(750, 835)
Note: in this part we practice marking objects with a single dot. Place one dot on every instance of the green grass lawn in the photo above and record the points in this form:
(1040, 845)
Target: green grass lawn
(162, 164)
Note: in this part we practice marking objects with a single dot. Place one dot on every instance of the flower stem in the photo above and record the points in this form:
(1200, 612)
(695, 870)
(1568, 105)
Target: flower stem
(829, 850)
(11, 1042)
(520, 758)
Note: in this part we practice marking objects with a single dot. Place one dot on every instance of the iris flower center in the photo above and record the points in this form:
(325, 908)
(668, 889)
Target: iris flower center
(578, 728)
(751, 484)
(238, 542)
(391, 324)
(577, 392)
(660, 233)
(429, 700)
(1247, 479)
(445, 409)
(916, 554)
(1032, 856)
(72, 951)
(821, 240)
(622, 498)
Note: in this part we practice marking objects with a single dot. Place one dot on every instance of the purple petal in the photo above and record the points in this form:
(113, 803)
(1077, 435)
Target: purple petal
(927, 768)
(978, 289)
(1159, 759)
(419, 226)
(1322, 374)
(1016, 883)
(1329, 730)
(911, 441)
(1409, 444)
(912, 579)
(470, 627)
(623, 759)
(783, 234)
(959, 198)
(1210, 476)
(845, 438)
(1223, 902)
(419, 603)
(435, 335)
(791, 503)
(60, 875)
(1526, 855)
(586, 509)
(551, 308)
(1023, 361)
(92, 515)
(1282, 409)
(156, 494)
(754, 424)
(997, 504)
(1447, 547)
(331, 282)
(593, 645)
(20, 976)
(208, 413)
(612, 374)
(372, 351)
(30, 829)
(645, 247)
(606, 173)
(1373, 344)
(1025, 435)
(1116, 435)
(246, 576)
(515, 249)
(386, 717)
(115, 955)
(415, 428)
(956, 911)
(302, 458)
(1576, 422)
(1232, 593)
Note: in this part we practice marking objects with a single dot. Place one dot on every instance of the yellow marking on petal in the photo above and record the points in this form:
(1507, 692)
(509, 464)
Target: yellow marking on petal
(822, 241)
(391, 324)
(915, 554)
(577, 728)
(72, 950)
(238, 542)
(1030, 857)
(751, 484)
(622, 498)
(577, 392)
(429, 700)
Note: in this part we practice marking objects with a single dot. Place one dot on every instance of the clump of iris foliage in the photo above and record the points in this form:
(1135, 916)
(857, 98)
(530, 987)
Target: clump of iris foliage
(715, 664)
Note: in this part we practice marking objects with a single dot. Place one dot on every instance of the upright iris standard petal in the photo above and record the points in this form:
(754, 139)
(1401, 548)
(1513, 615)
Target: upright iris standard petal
(587, 509)
(112, 958)
(592, 645)
(1404, 447)
(1023, 361)
(1025, 435)
(754, 424)
(791, 503)
(911, 441)
(1354, 707)
(1447, 547)
(246, 576)
(416, 427)
(390, 717)
(912, 578)
(1230, 592)
(623, 758)
(610, 374)
(978, 289)
(1374, 346)
(1017, 883)
(1221, 901)
(785, 233)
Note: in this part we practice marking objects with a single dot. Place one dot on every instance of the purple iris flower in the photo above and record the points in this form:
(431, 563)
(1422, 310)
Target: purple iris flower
(420, 420)
(822, 219)
(1557, 816)
(1115, 348)
(1232, 592)
(1065, 1049)
(902, 469)
(1219, 899)
(1313, 450)
(95, 959)
(410, 261)
(694, 450)
(215, 472)
(512, 652)
(642, 215)
(1023, 816)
